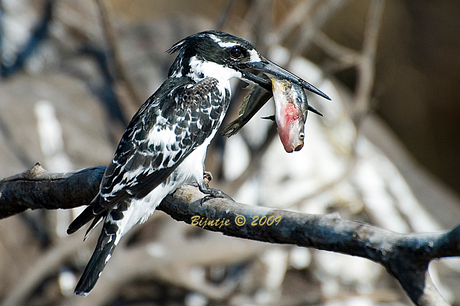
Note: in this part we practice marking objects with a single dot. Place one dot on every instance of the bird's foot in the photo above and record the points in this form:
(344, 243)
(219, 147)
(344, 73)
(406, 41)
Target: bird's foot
(212, 193)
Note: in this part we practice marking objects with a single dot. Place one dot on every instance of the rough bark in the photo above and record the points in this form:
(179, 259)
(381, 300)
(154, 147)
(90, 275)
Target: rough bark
(405, 256)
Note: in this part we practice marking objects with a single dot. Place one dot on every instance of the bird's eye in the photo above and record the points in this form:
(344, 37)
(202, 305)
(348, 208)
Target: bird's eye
(237, 52)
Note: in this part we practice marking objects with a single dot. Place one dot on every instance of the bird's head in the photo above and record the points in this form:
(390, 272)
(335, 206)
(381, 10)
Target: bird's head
(224, 56)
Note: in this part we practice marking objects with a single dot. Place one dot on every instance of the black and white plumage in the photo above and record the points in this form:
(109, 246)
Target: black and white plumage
(165, 143)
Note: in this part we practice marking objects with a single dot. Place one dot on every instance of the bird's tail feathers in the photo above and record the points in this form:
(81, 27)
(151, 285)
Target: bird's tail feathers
(84, 218)
(103, 252)
(96, 221)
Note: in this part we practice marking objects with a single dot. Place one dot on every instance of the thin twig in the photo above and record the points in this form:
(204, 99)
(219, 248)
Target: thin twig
(311, 26)
(366, 68)
(120, 70)
(298, 14)
(345, 56)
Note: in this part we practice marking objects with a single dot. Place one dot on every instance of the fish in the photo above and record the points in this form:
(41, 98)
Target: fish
(291, 110)
(250, 105)
(257, 98)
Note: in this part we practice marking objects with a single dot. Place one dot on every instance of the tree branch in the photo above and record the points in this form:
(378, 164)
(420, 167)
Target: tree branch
(405, 256)
(37, 188)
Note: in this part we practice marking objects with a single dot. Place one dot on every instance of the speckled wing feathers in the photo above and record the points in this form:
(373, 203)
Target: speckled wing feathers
(166, 129)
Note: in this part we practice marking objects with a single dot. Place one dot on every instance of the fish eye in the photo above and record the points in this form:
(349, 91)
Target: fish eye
(237, 52)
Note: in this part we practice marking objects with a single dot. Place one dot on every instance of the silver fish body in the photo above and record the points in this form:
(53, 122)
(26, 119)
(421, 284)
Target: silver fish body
(251, 104)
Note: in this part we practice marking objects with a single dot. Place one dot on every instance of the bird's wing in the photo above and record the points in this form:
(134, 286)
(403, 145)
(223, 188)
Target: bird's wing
(175, 120)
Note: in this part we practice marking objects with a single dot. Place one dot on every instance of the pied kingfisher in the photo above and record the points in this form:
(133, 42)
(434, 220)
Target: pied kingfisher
(165, 143)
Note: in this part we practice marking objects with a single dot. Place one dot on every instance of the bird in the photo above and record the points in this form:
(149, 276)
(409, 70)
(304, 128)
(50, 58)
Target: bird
(165, 143)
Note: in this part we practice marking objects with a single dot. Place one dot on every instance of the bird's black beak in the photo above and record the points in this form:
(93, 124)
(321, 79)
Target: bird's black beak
(267, 66)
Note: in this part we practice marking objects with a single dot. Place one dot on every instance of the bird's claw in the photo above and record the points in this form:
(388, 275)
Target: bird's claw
(207, 177)
(212, 193)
